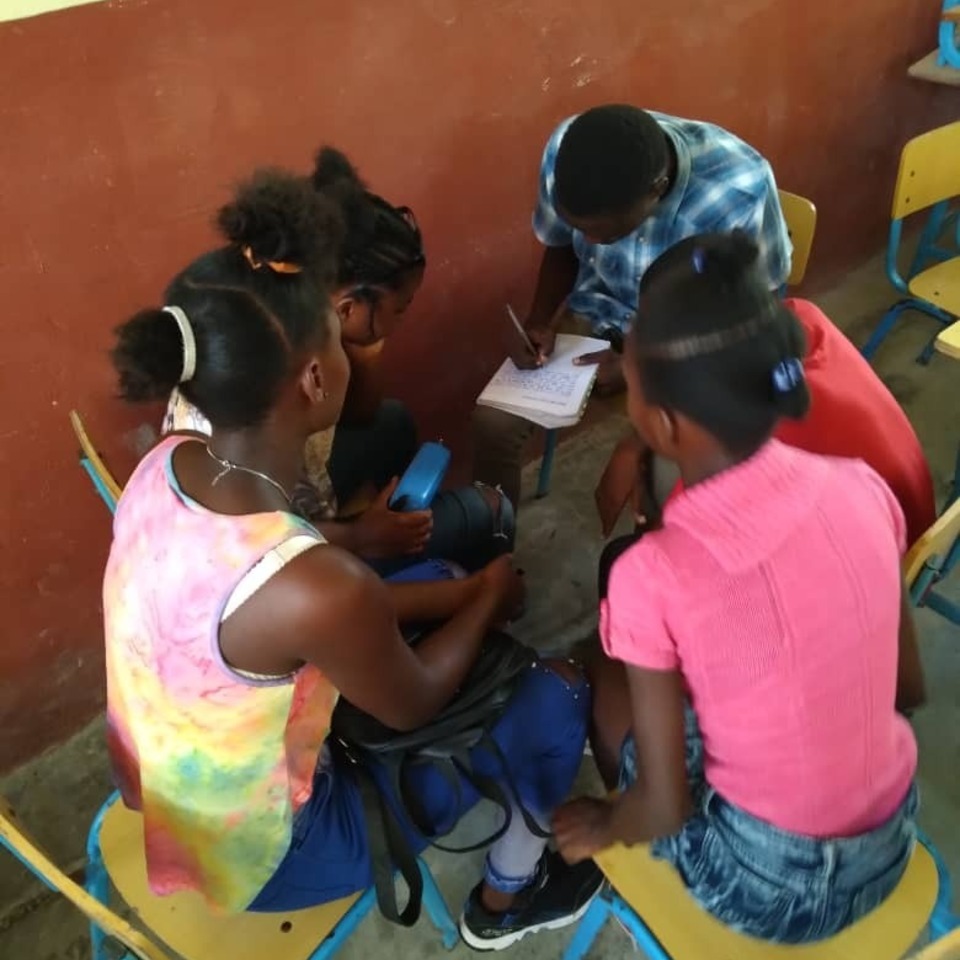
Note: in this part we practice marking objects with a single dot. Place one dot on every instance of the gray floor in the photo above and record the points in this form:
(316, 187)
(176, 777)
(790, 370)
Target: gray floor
(558, 548)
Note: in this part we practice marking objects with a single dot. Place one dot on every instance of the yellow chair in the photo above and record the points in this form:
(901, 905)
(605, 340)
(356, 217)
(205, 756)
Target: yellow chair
(931, 559)
(182, 922)
(928, 179)
(103, 480)
(649, 900)
(948, 341)
(801, 217)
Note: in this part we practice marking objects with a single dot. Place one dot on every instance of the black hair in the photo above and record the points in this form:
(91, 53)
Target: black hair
(609, 159)
(253, 305)
(715, 344)
(381, 243)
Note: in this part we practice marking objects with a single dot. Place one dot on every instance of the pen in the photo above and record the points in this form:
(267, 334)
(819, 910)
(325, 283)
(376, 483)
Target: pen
(523, 333)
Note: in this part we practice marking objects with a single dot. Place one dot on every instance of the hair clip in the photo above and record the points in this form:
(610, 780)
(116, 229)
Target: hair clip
(787, 375)
(189, 367)
(699, 259)
(277, 266)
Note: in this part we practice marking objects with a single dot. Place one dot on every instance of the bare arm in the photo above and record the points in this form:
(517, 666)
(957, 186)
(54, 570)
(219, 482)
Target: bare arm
(327, 608)
(911, 692)
(657, 804)
(432, 600)
(558, 273)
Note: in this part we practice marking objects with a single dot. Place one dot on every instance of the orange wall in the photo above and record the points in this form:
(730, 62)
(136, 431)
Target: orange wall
(122, 125)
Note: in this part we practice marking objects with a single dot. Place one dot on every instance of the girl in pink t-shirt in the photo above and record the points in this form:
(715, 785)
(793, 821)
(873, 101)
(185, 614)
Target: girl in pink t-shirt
(761, 639)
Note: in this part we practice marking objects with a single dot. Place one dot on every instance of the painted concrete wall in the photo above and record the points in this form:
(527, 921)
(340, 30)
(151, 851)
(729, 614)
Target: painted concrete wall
(123, 123)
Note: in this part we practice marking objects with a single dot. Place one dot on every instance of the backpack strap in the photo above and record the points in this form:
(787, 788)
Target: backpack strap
(458, 768)
(390, 851)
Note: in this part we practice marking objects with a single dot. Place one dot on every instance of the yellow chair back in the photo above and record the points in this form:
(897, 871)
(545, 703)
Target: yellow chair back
(90, 452)
(801, 217)
(19, 842)
(929, 171)
(934, 542)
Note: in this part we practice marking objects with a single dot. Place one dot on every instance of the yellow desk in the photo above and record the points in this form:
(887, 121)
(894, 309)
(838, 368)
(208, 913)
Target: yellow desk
(948, 341)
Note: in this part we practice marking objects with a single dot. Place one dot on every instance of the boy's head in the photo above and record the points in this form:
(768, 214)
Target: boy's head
(612, 168)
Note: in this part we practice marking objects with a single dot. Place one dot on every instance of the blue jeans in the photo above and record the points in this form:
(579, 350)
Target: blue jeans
(770, 883)
(541, 736)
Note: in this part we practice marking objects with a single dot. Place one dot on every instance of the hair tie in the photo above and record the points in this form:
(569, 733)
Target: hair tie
(787, 375)
(277, 266)
(189, 343)
(699, 259)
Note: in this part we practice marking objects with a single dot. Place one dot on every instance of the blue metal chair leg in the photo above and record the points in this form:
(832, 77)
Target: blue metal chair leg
(927, 245)
(884, 328)
(926, 354)
(587, 929)
(941, 605)
(942, 920)
(99, 485)
(546, 464)
(345, 927)
(437, 908)
(648, 944)
(96, 879)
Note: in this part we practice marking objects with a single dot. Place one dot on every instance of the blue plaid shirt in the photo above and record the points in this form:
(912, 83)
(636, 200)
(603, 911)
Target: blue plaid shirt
(722, 184)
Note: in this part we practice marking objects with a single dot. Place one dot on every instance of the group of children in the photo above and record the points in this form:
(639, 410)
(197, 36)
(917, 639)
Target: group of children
(758, 649)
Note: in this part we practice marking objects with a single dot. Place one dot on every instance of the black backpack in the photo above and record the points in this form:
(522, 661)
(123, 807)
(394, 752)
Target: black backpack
(445, 742)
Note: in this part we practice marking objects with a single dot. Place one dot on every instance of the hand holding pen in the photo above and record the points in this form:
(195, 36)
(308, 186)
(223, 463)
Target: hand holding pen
(535, 345)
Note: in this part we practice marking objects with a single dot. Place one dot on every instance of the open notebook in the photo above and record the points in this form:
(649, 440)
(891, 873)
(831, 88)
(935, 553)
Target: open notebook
(554, 395)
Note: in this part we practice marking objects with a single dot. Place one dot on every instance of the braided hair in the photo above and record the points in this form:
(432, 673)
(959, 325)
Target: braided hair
(382, 243)
(713, 343)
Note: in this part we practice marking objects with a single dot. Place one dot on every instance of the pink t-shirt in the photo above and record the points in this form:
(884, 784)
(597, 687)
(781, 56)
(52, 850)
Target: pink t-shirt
(774, 588)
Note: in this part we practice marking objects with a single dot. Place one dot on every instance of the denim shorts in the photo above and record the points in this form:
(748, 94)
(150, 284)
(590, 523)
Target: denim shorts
(770, 883)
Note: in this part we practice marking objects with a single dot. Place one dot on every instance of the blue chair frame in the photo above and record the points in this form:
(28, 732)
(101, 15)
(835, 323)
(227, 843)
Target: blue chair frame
(922, 590)
(101, 488)
(546, 464)
(97, 883)
(940, 222)
(608, 903)
(948, 53)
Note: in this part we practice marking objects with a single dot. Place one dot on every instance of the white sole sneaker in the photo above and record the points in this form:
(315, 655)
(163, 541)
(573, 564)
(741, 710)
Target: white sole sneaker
(488, 945)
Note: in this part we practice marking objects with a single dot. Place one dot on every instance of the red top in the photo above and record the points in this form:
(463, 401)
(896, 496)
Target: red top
(852, 414)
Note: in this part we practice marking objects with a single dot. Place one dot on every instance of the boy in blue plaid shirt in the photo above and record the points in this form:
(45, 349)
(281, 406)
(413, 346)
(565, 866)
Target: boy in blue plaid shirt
(618, 187)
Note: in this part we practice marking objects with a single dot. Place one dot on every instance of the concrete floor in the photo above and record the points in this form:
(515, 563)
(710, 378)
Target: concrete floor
(558, 547)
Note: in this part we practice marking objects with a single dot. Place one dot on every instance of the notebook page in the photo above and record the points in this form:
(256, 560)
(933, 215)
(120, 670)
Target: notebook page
(558, 388)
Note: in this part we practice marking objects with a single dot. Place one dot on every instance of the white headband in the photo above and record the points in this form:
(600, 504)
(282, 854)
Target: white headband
(189, 343)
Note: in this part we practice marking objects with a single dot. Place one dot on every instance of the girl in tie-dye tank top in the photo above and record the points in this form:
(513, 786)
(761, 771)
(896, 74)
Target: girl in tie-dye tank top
(231, 626)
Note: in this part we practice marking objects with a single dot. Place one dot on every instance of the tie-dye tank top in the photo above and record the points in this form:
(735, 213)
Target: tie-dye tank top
(219, 763)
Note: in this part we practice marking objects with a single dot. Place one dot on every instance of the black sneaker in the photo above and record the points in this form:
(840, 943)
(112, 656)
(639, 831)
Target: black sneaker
(558, 896)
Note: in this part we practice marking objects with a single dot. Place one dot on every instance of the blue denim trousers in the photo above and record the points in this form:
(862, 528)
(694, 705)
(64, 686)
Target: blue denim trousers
(770, 883)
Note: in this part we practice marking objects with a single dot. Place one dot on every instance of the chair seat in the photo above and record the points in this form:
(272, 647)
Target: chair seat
(940, 285)
(183, 920)
(948, 341)
(655, 892)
